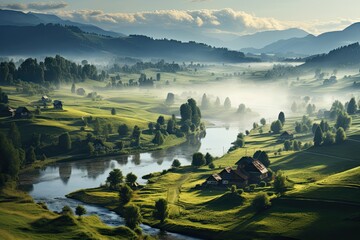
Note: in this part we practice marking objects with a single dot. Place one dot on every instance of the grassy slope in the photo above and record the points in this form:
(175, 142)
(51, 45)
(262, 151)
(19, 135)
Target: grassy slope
(21, 218)
(304, 211)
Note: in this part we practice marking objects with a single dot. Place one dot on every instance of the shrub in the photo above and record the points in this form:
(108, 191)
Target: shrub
(340, 135)
(125, 194)
(80, 210)
(198, 159)
(161, 209)
(280, 182)
(261, 202)
(176, 163)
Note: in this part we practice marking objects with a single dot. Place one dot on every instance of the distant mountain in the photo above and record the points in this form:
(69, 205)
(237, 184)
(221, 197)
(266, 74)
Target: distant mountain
(18, 18)
(69, 40)
(261, 39)
(346, 56)
(311, 44)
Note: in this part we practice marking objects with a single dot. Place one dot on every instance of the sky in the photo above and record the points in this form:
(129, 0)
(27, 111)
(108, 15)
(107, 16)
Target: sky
(222, 18)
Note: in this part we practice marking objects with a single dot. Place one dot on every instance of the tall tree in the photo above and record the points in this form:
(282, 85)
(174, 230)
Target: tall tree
(132, 216)
(65, 141)
(205, 103)
(14, 135)
(281, 117)
(185, 112)
(125, 194)
(318, 137)
(30, 155)
(161, 209)
(73, 88)
(227, 103)
(340, 135)
(352, 106)
(9, 158)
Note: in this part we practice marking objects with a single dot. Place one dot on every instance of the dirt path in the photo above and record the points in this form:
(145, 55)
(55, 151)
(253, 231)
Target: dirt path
(174, 190)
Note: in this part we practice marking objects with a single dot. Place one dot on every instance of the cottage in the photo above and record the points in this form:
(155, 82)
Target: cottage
(233, 177)
(45, 99)
(253, 168)
(80, 91)
(58, 104)
(214, 179)
(286, 136)
(22, 112)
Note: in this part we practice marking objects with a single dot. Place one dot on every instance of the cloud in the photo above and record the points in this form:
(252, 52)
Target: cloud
(40, 6)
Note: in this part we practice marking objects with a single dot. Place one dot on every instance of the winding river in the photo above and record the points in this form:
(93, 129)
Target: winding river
(51, 184)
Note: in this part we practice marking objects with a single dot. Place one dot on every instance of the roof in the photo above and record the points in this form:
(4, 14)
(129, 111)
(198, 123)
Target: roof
(215, 176)
(245, 159)
(286, 133)
(21, 109)
(259, 166)
(229, 170)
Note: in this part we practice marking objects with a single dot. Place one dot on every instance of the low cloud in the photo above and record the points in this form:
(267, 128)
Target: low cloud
(40, 6)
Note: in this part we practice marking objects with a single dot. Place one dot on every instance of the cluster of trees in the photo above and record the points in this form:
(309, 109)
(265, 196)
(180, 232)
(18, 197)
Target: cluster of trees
(199, 159)
(161, 66)
(329, 137)
(53, 70)
(295, 145)
(277, 125)
(190, 116)
(304, 126)
(238, 143)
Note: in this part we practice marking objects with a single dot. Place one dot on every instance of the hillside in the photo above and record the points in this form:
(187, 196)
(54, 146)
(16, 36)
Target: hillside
(18, 18)
(346, 56)
(311, 44)
(69, 40)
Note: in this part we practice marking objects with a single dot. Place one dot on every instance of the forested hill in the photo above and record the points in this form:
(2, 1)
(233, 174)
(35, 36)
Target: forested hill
(69, 40)
(346, 56)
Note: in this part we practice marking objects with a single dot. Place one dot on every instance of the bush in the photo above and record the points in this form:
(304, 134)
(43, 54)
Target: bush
(340, 135)
(261, 202)
(276, 126)
(176, 163)
(132, 216)
(262, 184)
(198, 159)
(125, 194)
(280, 182)
(80, 210)
(161, 209)
(211, 166)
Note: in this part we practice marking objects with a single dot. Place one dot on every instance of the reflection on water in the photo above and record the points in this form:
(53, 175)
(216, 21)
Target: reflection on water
(51, 184)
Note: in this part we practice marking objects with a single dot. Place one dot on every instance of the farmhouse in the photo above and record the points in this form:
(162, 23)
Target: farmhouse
(249, 170)
(58, 104)
(286, 136)
(22, 112)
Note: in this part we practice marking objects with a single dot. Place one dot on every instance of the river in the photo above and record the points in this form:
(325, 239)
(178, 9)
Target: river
(51, 184)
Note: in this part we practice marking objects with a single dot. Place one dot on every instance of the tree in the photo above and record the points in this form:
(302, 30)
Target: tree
(176, 163)
(161, 120)
(14, 135)
(198, 159)
(30, 155)
(281, 117)
(262, 157)
(352, 107)
(170, 126)
(132, 216)
(329, 138)
(91, 148)
(340, 135)
(208, 158)
(276, 126)
(261, 202)
(211, 166)
(158, 76)
(123, 130)
(115, 177)
(227, 103)
(65, 141)
(263, 121)
(310, 109)
(136, 134)
(343, 120)
(185, 112)
(287, 145)
(217, 102)
(66, 210)
(241, 108)
(280, 182)
(205, 103)
(131, 178)
(125, 194)
(73, 88)
(318, 137)
(170, 99)
(195, 112)
(159, 138)
(113, 111)
(9, 158)
(80, 210)
(97, 126)
(161, 209)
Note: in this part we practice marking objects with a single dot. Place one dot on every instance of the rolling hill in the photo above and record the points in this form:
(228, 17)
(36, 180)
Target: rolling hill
(70, 40)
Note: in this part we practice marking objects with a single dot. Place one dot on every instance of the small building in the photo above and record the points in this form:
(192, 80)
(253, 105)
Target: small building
(80, 91)
(22, 112)
(214, 179)
(230, 176)
(286, 136)
(58, 104)
(45, 99)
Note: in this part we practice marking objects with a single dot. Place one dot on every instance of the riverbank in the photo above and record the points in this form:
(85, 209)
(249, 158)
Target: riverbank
(22, 218)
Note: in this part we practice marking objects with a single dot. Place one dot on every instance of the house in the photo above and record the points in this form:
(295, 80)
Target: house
(249, 170)
(80, 91)
(22, 112)
(286, 136)
(253, 168)
(58, 104)
(45, 99)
